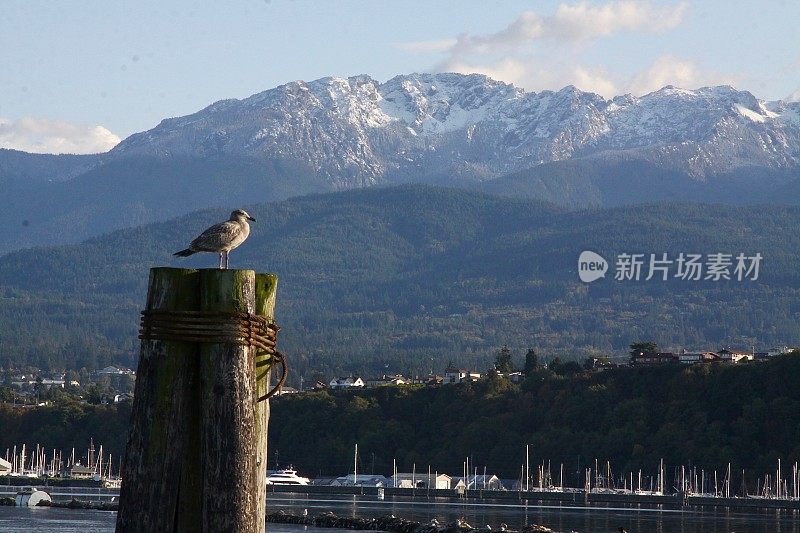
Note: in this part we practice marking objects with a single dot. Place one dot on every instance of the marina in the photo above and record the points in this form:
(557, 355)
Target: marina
(684, 488)
(23, 465)
(556, 516)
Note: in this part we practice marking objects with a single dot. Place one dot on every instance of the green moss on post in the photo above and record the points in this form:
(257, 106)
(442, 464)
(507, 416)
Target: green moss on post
(266, 291)
(196, 455)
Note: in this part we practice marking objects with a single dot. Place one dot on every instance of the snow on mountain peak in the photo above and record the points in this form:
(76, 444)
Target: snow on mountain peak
(356, 131)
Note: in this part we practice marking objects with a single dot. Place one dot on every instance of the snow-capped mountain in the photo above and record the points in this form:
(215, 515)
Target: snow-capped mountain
(572, 148)
(356, 132)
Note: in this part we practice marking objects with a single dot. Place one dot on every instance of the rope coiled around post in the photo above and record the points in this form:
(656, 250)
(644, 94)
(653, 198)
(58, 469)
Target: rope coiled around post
(244, 329)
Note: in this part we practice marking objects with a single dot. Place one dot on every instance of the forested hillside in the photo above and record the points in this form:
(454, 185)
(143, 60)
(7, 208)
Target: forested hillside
(129, 192)
(610, 181)
(404, 279)
(704, 416)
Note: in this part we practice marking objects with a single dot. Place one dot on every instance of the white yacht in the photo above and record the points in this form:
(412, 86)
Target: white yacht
(287, 476)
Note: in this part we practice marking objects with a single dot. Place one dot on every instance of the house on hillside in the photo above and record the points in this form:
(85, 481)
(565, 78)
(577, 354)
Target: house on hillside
(387, 380)
(772, 352)
(734, 356)
(454, 375)
(690, 358)
(22, 380)
(346, 383)
(459, 375)
(32, 381)
(430, 379)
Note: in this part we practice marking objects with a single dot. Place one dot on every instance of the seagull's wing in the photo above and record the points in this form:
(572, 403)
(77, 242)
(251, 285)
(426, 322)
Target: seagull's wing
(217, 237)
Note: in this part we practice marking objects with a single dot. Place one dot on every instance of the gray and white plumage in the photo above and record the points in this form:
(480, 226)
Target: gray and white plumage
(221, 238)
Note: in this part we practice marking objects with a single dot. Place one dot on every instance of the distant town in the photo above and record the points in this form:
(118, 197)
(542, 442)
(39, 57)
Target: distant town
(642, 354)
(34, 387)
(114, 384)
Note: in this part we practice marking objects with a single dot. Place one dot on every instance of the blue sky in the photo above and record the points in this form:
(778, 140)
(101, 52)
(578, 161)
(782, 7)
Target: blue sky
(75, 76)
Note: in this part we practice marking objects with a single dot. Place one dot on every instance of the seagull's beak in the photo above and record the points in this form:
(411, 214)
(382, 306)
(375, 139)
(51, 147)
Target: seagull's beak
(251, 218)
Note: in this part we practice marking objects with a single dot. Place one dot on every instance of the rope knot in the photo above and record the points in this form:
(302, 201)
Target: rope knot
(244, 329)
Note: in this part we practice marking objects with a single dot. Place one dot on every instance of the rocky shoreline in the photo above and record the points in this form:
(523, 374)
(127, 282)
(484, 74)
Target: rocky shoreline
(80, 504)
(388, 523)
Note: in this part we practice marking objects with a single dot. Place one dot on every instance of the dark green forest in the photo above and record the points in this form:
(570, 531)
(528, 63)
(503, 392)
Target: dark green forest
(405, 279)
(704, 416)
(602, 180)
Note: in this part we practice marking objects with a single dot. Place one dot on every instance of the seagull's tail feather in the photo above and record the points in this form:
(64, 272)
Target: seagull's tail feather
(185, 253)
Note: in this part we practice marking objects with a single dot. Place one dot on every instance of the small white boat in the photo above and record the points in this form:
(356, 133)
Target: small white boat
(287, 476)
(30, 497)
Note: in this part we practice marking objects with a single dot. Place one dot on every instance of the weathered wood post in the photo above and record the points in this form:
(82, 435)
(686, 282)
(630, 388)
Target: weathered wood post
(266, 291)
(196, 454)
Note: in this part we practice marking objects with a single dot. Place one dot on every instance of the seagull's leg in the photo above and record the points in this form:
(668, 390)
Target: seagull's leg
(226, 259)
(220, 260)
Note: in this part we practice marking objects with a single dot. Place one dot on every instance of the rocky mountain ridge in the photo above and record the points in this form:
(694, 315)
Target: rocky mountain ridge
(357, 132)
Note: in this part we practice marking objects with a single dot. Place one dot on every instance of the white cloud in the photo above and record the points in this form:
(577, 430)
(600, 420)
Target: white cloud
(508, 70)
(794, 97)
(571, 23)
(45, 136)
(527, 74)
(581, 21)
(666, 70)
(526, 28)
(539, 52)
(670, 70)
(594, 80)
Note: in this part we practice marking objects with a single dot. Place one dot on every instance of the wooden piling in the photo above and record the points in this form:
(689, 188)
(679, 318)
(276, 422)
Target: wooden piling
(266, 292)
(196, 454)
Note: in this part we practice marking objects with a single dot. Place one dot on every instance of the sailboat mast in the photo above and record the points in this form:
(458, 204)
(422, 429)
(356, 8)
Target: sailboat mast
(527, 466)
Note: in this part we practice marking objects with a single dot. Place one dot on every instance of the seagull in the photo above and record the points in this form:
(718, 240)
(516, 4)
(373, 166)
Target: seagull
(221, 238)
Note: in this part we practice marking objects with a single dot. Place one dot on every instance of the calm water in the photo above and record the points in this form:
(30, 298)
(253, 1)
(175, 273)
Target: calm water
(559, 518)
(44, 520)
